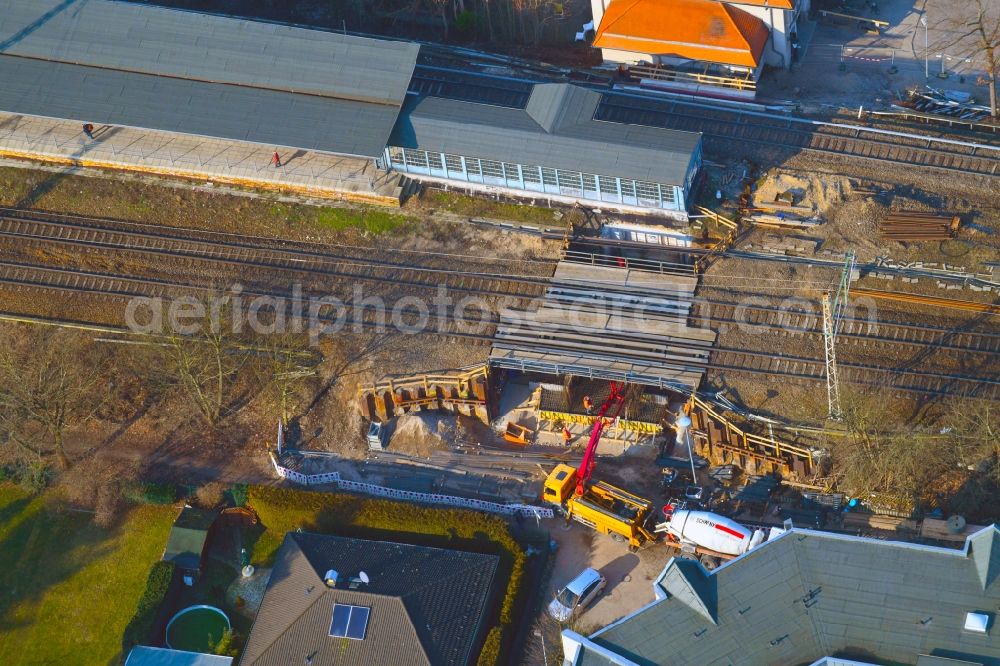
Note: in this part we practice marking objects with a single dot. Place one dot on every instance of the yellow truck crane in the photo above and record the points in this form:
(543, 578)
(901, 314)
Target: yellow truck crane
(600, 505)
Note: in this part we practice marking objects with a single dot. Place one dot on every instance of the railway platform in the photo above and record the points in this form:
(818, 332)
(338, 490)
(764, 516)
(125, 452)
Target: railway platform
(245, 164)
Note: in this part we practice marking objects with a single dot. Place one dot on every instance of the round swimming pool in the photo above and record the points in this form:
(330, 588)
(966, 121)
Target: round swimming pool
(197, 628)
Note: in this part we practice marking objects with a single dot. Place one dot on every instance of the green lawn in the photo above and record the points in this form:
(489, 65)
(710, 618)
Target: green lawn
(462, 204)
(67, 587)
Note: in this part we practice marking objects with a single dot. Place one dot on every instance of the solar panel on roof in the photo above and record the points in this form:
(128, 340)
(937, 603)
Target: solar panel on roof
(358, 623)
(349, 621)
(341, 616)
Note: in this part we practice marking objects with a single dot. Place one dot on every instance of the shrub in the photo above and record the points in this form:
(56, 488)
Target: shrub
(238, 493)
(146, 492)
(108, 506)
(140, 627)
(466, 22)
(228, 645)
(490, 654)
(210, 495)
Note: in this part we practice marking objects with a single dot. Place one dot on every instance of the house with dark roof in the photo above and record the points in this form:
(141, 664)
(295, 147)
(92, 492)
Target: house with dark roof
(815, 598)
(336, 600)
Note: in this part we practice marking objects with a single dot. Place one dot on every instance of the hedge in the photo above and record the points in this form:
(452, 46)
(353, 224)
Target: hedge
(141, 625)
(145, 492)
(284, 510)
(490, 654)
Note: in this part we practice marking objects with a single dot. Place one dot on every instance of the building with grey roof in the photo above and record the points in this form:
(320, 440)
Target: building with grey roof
(142, 66)
(808, 597)
(420, 606)
(553, 148)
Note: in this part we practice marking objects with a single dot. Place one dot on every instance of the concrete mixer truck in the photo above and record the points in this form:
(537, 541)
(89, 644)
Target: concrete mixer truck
(713, 538)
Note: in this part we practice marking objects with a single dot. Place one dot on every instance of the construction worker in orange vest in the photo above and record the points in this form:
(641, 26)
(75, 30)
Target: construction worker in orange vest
(567, 435)
(588, 406)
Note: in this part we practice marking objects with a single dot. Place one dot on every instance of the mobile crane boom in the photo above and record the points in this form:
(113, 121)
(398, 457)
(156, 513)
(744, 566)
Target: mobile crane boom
(615, 399)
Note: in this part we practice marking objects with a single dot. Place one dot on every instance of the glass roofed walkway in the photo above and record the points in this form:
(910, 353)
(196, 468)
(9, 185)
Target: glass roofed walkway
(532, 179)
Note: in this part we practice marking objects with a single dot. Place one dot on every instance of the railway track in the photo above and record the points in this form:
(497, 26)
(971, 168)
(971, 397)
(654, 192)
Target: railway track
(124, 287)
(168, 243)
(901, 380)
(757, 363)
(830, 139)
(859, 330)
(211, 248)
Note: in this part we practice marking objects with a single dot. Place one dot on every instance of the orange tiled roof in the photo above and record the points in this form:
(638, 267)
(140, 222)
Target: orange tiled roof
(695, 29)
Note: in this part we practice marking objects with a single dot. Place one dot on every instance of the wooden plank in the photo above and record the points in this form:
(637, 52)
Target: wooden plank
(590, 274)
(933, 528)
(878, 522)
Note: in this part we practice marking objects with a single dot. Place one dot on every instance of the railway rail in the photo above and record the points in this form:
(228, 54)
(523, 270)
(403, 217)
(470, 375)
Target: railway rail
(855, 141)
(902, 380)
(203, 246)
(742, 361)
(854, 329)
(214, 248)
(117, 286)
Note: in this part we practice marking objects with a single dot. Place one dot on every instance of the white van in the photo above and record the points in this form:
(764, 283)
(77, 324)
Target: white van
(577, 594)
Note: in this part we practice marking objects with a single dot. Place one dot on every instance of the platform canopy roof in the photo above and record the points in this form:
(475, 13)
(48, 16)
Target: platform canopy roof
(556, 129)
(702, 30)
(119, 63)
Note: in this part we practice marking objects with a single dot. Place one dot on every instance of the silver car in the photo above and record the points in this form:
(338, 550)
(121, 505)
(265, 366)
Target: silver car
(577, 594)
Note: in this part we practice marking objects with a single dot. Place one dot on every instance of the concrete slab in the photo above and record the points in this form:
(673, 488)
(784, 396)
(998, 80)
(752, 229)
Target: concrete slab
(245, 164)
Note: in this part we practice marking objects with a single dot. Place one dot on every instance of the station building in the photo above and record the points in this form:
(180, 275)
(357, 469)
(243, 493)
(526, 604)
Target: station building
(552, 149)
(184, 93)
(699, 44)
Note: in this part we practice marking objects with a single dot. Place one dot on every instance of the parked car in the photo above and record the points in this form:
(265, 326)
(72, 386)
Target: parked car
(577, 594)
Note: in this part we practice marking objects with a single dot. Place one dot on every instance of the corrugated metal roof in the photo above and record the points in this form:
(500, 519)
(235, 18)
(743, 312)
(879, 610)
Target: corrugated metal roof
(144, 66)
(416, 616)
(555, 130)
(694, 29)
(809, 594)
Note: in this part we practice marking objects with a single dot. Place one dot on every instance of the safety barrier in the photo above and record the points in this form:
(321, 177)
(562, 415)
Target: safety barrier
(409, 495)
(641, 427)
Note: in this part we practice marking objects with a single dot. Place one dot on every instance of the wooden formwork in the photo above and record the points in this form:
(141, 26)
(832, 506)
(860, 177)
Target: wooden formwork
(464, 392)
(722, 442)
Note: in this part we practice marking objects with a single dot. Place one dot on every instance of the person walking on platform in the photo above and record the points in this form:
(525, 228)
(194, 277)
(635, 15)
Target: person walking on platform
(88, 129)
(588, 405)
(566, 435)
(276, 160)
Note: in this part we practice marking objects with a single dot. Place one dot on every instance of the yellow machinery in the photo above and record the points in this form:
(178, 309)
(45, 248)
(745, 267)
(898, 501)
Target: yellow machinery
(603, 507)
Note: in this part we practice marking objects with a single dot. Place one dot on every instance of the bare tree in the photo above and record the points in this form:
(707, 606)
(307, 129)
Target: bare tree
(977, 23)
(52, 382)
(284, 366)
(204, 362)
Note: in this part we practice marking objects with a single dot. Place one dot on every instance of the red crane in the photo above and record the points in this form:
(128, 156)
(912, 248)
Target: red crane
(617, 400)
